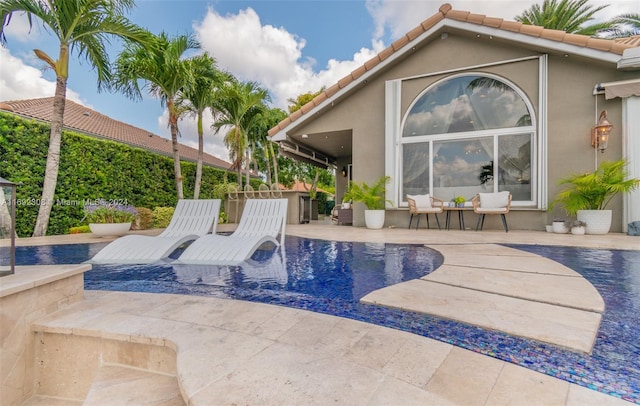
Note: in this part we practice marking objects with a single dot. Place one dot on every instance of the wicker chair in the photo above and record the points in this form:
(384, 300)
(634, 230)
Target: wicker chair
(492, 203)
(424, 204)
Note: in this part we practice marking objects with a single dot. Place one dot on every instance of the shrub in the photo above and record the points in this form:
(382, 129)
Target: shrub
(144, 219)
(79, 230)
(162, 216)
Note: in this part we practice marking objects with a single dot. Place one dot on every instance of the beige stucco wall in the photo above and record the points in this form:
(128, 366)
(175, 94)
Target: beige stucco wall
(571, 113)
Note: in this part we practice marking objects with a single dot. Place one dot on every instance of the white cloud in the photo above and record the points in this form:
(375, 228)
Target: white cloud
(20, 81)
(269, 55)
(394, 18)
(188, 127)
(20, 30)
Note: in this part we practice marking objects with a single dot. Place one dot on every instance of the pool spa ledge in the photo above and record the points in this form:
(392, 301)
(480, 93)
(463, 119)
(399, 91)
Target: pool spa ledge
(31, 293)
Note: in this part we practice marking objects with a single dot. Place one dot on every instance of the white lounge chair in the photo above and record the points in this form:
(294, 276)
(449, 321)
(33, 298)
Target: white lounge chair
(273, 270)
(191, 220)
(261, 222)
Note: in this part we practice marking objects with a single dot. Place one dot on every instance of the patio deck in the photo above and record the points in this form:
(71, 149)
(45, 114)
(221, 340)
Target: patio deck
(225, 352)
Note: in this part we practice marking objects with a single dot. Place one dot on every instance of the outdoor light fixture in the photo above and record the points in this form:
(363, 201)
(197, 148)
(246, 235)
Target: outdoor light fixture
(8, 222)
(600, 133)
(344, 171)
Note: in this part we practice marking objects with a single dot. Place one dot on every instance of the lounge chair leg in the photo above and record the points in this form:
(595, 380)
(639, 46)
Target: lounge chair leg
(504, 223)
(428, 225)
(418, 222)
(437, 221)
(480, 219)
(410, 221)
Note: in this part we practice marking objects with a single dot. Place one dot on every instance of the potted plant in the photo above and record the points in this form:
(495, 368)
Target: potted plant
(588, 194)
(372, 197)
(459, 201)
(578, 227)
(560, 226)
(109, 218)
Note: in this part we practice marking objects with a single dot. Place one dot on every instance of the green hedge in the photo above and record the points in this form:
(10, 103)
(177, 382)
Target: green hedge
(90, 168)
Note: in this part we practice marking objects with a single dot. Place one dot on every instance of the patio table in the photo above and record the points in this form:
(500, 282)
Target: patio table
(460, 211)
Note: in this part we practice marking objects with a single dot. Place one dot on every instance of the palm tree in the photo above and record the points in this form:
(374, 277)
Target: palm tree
(238, 106)
(165, 72)
(196, 98)
(83, 26)
(626, 25)
(566, 15)
(270, 118)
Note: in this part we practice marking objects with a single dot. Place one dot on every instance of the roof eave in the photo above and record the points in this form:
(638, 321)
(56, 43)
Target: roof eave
(607, 56)
(540, 42)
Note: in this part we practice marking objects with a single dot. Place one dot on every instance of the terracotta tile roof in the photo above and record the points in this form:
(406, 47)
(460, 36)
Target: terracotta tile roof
(446, 12)
(87, 121)
(633, 41)
(299, 186)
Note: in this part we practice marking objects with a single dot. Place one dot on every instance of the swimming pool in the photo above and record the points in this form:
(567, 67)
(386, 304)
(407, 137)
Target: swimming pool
(330, 277)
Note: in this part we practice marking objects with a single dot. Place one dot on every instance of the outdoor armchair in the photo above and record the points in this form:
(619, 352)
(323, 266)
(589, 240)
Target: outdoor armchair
(492, 203)
(424, 204)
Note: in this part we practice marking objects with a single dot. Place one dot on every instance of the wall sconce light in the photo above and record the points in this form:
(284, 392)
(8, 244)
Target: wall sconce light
(344, 171)
(600, 133)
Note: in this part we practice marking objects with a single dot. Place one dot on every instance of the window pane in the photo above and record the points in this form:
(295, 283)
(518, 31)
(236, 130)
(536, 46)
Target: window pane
(458, 165)
(514, 165)
(415, 169)
(466, 103)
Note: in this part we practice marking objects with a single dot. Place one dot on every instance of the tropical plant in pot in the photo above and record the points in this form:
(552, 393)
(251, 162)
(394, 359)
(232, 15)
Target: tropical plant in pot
(588, 194)
(373, 196)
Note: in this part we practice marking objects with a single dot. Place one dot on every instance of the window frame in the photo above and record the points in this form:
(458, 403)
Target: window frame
(531, 130)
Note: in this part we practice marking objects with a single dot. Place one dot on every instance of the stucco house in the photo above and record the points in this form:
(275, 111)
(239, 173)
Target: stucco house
(466, 103)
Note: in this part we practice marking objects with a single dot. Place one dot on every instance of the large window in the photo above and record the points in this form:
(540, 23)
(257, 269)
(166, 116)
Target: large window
(468, 134)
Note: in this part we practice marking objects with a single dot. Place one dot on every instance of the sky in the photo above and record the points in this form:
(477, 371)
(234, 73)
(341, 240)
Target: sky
(289, 47)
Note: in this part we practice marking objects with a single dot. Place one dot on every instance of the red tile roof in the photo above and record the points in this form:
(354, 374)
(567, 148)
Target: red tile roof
(82, 119)
(299, 186)
(446, 12)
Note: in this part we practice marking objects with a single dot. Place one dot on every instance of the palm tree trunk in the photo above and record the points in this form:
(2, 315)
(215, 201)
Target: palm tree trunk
(196, 189)
(173, 125)
(275, 164)
(53, 158)
(268, 164)
(247, 159)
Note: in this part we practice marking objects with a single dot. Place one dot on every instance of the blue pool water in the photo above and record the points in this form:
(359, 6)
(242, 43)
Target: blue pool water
(330, 277)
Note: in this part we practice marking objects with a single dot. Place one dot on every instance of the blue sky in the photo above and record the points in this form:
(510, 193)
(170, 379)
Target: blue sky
(289, 47)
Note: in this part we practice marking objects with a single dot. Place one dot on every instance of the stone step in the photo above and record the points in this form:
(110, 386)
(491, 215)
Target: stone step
(123, 385)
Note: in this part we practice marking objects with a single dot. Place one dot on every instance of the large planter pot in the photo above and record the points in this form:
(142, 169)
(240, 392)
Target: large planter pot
(109, 229)
(374, 219)
(598, 221)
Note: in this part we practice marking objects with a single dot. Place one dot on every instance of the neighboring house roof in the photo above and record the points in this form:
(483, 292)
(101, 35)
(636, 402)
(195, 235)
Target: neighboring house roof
(610, 50)
(82, 119)
(299, 186)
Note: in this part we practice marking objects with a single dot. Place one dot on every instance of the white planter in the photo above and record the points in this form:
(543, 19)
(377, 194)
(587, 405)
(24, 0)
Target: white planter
(578, 230)
(109, 229)
(559, 227)
(374, 219)
(598, 221)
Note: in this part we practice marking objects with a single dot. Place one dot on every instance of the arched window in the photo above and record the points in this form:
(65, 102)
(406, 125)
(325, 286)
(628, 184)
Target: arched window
(467, 134)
